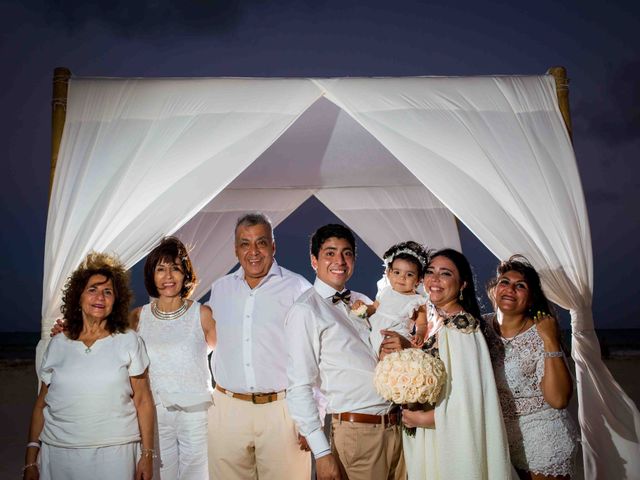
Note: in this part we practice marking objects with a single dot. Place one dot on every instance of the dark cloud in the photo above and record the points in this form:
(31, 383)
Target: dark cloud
(612, 113)
(135, 18)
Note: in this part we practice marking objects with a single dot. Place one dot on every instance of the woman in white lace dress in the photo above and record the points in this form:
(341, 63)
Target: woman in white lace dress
(177, 333)
(531, 372)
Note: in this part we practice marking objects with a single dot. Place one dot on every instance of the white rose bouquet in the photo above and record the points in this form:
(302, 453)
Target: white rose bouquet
(410, 376)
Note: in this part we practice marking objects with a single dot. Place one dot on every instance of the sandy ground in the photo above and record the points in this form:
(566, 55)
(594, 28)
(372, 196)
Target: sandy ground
(19, 386)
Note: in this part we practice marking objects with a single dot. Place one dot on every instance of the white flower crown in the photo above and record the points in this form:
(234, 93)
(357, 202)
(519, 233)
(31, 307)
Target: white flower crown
(389, 260)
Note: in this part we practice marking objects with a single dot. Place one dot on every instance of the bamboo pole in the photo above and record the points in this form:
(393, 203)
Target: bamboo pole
(61, 77)
(562, 90)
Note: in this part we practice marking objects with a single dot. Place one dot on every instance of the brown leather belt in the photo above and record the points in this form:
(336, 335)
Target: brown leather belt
(388, 419)
(257, 398)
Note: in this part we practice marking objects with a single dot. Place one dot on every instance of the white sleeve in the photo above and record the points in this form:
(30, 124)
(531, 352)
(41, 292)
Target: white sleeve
(139, 361)
(46, 371)
(303, 343)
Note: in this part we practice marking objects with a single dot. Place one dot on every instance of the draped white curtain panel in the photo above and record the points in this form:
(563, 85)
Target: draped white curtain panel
(144, 158)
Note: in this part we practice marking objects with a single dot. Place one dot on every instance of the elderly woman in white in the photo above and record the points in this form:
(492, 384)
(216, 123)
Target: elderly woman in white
(94, 416)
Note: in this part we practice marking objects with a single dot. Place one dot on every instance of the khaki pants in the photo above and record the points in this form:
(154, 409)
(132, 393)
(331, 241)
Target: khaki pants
(368, 451)
(249, 441)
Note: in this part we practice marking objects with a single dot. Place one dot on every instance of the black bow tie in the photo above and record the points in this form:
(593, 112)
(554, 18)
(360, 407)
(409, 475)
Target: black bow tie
(344, 296)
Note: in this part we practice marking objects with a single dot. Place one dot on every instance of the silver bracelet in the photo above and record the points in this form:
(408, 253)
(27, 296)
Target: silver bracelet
(553, 354)
(29, 465)
(33, 444)
(148, 453)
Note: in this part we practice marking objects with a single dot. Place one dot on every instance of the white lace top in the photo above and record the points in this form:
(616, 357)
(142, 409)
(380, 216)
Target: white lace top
(179, 371)
(519, 367)
(542, 439)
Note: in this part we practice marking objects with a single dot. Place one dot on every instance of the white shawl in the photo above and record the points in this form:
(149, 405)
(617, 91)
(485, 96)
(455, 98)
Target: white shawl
(469, 441)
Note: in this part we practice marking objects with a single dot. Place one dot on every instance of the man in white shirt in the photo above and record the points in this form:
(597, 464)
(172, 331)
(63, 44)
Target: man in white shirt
(330, 349)
(251, 434)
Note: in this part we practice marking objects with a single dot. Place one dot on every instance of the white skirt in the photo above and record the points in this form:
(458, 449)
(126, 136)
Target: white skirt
(102, 463)
(543, 442)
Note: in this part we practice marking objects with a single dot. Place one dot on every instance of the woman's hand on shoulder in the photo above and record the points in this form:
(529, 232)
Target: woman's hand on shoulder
(59, 326)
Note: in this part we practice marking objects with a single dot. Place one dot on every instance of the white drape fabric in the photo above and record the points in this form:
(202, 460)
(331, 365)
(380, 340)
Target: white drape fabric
(495, 151)
(140, 158)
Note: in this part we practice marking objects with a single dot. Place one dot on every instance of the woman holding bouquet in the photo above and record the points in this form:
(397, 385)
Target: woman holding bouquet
(463, 436)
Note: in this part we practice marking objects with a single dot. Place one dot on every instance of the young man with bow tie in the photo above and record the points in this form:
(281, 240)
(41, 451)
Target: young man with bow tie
(330, 349)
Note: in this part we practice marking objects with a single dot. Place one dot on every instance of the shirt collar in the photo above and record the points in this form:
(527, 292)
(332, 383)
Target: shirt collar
(324, 290)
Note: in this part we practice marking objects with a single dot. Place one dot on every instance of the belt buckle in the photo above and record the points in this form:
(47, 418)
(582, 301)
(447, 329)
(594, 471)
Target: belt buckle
(256, 396)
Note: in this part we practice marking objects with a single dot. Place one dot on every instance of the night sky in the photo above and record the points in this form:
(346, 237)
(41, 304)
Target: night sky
(596, 41)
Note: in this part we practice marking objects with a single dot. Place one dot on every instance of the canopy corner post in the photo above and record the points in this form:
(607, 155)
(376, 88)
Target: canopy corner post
(562, 90)
(61, 76)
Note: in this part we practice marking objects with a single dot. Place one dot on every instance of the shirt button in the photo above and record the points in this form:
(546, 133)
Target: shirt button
(246, 339)
(247, 316)
(247, 364)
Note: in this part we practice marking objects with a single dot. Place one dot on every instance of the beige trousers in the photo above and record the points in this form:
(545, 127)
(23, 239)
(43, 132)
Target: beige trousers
(368, 451)
(248, 441)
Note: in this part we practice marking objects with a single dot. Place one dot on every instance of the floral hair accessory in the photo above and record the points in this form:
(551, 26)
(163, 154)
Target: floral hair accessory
(389, 260)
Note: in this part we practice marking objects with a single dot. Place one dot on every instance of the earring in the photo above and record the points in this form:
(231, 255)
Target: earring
(460, 297)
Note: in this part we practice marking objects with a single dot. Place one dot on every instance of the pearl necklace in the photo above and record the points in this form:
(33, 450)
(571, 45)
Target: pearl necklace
(160, 315)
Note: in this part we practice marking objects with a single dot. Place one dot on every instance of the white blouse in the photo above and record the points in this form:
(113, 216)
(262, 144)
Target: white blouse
(179, 370)
(89, 402)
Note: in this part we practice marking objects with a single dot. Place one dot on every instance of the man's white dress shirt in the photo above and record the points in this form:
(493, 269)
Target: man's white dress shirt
(250, 356)
(329, 349)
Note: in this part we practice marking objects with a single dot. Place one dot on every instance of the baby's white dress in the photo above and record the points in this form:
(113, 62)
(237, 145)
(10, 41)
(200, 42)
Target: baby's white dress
(395, 312)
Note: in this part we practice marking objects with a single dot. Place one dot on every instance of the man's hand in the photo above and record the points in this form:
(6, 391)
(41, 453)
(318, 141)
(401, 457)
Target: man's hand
(304, 446)
(393, 342)
(327, 468)
(58, 327)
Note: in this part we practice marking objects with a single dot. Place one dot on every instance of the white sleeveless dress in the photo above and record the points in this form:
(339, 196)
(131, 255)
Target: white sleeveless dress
(181, 386)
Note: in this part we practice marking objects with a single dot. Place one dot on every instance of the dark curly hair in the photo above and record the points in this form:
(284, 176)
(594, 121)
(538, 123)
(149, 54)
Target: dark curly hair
(399, 250)
(469, 300)
(519, 263)
(328, 231)
(170, 249)
(97, 264)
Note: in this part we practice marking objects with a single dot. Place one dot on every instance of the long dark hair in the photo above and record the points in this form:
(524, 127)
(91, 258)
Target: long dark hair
(97, 264)
(469, 300)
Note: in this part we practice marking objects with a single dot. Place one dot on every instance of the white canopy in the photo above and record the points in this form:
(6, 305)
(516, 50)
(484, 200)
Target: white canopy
(392, 157)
